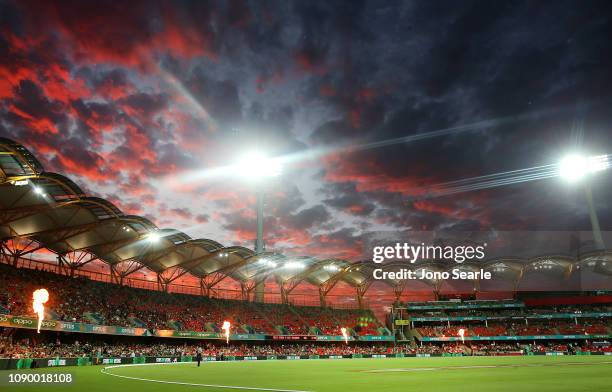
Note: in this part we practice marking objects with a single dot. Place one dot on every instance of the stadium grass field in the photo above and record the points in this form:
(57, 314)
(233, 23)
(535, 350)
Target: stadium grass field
(524, 374)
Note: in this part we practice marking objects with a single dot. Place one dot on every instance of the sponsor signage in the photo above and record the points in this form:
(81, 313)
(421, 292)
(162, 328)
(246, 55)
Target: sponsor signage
(376, 338)
(461, 305)
(482, 318)
(164, 360)
(56, 362)
(55, 325)
(332, 338)
(205, 335)
(295, 337)
(535, 337)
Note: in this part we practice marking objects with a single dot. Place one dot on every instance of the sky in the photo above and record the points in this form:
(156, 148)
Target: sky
(371, 104)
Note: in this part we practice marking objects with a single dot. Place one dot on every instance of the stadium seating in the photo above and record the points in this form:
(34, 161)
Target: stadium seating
(83, 300)
(498, 330)
(92, 348)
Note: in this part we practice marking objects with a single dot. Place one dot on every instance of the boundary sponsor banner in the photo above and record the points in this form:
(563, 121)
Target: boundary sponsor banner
(375, 338)
(332, 338)
(171, 333)
(110, 361)
(66, 326)
(483, 318)
(56, 362)
(26, 363)
(462, 305)
(535, 337)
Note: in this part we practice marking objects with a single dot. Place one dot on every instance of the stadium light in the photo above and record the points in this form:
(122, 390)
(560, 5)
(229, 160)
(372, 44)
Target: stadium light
(153, 237)
(39, 191)
(575, 167)
(294, 265)
(255, 166)
(267, 263)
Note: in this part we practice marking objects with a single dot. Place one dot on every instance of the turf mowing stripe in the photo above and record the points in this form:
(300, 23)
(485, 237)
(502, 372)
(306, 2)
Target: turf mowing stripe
(188, 383)
(484, 367)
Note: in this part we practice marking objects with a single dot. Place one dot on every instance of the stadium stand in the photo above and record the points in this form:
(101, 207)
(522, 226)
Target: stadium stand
(27, 348)
(82, 300)
(492, 319)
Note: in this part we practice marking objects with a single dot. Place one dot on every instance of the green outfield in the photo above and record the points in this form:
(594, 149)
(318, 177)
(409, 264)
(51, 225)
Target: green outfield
(511, 374)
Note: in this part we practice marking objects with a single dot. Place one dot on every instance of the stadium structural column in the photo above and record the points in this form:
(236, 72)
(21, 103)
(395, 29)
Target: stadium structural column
(322, 295)
(361, 290)
(398, 290)
(259, 244)
(17, 248)
(113, 274)
(284, 294)
(204, 291)
(162, 283)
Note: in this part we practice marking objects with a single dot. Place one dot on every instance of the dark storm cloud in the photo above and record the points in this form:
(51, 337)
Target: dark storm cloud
(146, 104)
(481, 61)
(309, 217)
(219, 97)
(30, 102)
(345, 197)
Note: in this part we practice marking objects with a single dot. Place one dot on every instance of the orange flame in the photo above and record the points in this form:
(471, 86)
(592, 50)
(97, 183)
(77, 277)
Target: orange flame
(226, 327)
(39, 297)
(343, 330)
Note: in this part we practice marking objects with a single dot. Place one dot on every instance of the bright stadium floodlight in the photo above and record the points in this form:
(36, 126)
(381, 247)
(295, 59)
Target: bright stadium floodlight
(39, 191)
(153, 237)
(574, 168)
(256, 165)
(268, 263)
(294, 265)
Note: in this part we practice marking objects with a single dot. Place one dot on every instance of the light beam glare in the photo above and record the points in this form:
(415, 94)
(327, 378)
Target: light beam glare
(191, 101)
(316, 154)
(590, 165)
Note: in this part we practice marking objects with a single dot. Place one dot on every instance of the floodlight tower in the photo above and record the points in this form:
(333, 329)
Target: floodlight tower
(256, 167)
(574, 168)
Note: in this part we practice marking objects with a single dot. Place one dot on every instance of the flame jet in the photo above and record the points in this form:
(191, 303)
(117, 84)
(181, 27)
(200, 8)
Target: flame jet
(226, 328)
(343, 330)
(39, 297)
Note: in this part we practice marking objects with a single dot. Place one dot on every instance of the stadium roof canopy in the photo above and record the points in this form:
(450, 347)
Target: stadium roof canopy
(39, 209)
